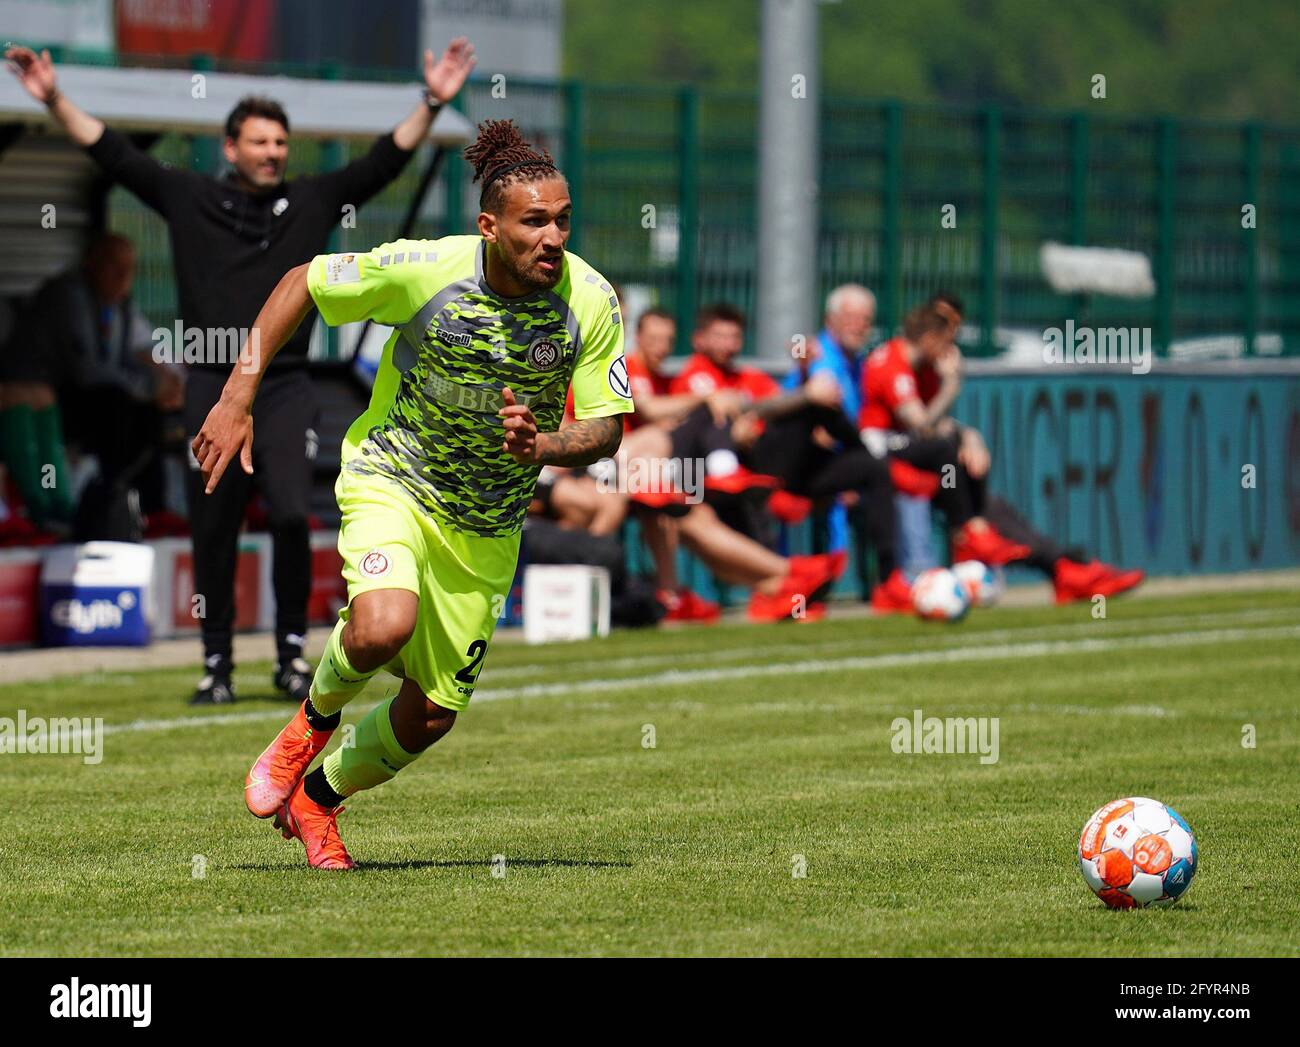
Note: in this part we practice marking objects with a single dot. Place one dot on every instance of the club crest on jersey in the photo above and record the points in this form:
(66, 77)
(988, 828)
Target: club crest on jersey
(375, 564)
(545, 354)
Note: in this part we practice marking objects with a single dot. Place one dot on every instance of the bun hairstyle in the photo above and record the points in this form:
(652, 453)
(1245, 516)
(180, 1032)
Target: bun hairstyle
(501, 157)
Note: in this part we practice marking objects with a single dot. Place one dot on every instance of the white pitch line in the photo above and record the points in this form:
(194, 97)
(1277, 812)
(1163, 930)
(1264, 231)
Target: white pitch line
(949, 655)
(980, 636)
(887, 661)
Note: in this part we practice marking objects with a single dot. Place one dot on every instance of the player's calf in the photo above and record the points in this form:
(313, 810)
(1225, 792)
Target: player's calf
(388, 738)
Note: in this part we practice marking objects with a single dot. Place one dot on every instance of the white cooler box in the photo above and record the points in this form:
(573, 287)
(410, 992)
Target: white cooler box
(565, 602)
(97, 595)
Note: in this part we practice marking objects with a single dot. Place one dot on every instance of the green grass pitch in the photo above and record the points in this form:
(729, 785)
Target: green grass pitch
(770, 743)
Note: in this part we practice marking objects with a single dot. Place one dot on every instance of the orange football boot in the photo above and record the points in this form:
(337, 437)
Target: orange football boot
(283, 763)
(317, 827)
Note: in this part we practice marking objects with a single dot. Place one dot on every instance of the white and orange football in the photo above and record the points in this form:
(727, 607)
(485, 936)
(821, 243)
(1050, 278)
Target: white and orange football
(1136, 852)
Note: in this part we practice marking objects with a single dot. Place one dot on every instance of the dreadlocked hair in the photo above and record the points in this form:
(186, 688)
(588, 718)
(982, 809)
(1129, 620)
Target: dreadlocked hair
(501, 157)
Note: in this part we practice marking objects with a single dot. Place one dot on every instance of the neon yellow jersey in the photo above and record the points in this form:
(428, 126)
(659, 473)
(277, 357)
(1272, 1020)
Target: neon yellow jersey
(432, 426)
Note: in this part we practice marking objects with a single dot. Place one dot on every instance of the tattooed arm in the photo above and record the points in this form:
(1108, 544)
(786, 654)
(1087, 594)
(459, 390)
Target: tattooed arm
(581, 443)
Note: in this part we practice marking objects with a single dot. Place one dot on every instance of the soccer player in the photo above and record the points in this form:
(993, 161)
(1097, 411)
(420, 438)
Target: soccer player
(1072, 574)
(437, 475)
(908, 420)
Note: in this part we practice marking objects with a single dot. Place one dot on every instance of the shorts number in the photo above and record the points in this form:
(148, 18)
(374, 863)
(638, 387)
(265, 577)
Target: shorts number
(476, 652)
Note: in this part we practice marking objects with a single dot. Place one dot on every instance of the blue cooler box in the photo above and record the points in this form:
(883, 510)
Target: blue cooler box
(97, 595)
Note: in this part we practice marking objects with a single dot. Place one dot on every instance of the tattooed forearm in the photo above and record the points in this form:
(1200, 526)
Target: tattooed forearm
(581, 443)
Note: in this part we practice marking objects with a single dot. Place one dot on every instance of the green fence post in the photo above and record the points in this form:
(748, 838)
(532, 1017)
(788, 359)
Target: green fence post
(453, 170)
(1079, 179)
(1079, 195)
(891, 254)
(333, 155)
(989, 234)
(687, 211)
(205, 154)
(1250, 310)
(574, 127)
(1166, 165)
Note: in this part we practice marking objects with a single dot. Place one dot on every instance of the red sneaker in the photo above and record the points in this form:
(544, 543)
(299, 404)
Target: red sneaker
(782, 607)
(789, 508)
(659, 499)
(282, 764)
(818, 573)
(801, 590)
(893, 595)
(317, 828)
(1115, 581)
(740, 479)
(985, 544)
(1082, 581)
(685, 605)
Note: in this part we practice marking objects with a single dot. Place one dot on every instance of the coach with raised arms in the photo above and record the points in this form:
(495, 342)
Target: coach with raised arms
(233, 237)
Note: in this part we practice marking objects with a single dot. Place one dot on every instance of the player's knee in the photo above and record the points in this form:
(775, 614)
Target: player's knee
(377, 633)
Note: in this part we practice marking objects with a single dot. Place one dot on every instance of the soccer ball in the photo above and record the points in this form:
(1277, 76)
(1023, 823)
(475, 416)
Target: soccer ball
(1137, 852)
(938, 596)
(984, 585)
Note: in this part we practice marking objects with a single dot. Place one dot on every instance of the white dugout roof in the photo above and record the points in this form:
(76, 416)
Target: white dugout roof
(40, 167)
(164, 100)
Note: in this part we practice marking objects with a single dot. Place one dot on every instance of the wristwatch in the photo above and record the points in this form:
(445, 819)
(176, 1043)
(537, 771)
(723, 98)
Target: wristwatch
(431, 101)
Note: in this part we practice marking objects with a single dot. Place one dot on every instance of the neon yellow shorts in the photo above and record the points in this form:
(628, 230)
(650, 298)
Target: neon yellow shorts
(462, 580)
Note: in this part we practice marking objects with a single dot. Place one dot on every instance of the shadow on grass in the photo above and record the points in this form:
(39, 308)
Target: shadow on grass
(469, 863)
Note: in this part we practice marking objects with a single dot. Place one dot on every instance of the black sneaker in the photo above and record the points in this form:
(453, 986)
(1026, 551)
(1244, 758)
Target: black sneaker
(215, 688)
(294, 679)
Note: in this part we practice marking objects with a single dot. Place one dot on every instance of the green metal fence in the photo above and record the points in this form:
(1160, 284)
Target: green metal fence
(665, 185)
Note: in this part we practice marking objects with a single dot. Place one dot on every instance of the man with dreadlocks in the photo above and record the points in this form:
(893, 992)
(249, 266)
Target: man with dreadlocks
(489, 332)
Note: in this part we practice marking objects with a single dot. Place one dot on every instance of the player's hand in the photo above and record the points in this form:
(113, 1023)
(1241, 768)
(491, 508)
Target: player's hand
(520, 427)
(169, 389)
(950, 364)
(226, 434)
(724, 405)
(822, 390)
(445, 77)
(974, 453)
(35, 72)
(745, 430)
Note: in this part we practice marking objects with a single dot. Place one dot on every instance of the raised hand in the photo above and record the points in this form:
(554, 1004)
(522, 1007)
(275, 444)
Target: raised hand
(35, 72)
(445, 77)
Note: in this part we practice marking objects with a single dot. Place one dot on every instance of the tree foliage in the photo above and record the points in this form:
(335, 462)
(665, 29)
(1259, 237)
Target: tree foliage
(1198, 58)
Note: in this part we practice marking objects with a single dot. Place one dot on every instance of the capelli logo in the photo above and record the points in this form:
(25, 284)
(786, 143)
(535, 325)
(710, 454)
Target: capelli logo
(75, 1000)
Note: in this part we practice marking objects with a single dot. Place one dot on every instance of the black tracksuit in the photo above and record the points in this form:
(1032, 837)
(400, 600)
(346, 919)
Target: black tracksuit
(229, 250)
